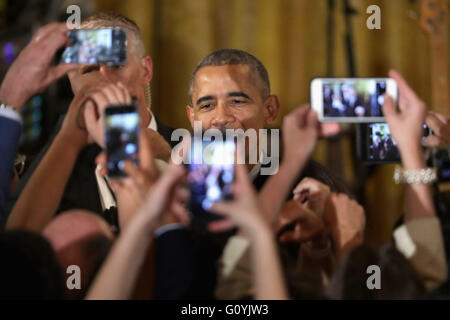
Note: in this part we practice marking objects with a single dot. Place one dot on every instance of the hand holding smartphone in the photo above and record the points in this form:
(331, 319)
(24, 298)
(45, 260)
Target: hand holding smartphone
(351, 100)
(210, 176)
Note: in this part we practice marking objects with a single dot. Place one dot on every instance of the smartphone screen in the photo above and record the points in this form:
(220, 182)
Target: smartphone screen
(351, 99)
(380, 146)
(121, 138)
(102, 46)
(210, 176)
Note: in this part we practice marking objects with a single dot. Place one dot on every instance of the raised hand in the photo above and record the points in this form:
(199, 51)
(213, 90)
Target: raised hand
(131, 191)
(32, 71)
(406, 123)
(243, 210)
(94, 111)
(300, 133)
(313, 194)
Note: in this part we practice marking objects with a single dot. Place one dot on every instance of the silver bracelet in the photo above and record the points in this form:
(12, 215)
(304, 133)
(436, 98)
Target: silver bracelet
(415, 176)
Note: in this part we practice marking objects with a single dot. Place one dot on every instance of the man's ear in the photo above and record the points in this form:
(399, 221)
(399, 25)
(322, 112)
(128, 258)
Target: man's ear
(190, 114)
(272, 106)
(147, 65)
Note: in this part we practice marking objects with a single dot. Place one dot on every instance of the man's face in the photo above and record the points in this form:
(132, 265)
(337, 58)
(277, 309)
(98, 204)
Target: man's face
(229, 97)
(135, 75)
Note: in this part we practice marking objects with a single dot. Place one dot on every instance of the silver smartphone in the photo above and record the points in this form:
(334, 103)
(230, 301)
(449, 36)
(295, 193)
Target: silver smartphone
(351, 100)
(102, 46)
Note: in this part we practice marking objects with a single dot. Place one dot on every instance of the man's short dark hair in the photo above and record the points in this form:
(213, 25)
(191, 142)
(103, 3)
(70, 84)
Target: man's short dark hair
(225, 57)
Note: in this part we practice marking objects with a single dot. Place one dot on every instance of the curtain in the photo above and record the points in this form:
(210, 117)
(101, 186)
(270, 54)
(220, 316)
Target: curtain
(290, 38)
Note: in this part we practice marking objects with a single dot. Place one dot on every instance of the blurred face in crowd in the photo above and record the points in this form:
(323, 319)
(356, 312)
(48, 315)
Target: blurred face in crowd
(349, 92)
(135, 75)
(229, 97)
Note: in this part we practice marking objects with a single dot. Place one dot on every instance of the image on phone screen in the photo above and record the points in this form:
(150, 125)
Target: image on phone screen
(210, 176)
(102, 46)
(121, 138)
(381, 145)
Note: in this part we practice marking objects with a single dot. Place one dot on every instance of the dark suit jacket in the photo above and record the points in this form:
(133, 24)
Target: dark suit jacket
(166, 132)
(9, 138)
(81, 190)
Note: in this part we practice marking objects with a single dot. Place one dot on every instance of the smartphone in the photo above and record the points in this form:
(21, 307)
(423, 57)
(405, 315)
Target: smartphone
(101, 46)
(351, 100)
(376, 144)
(210, 176)
(121, 138)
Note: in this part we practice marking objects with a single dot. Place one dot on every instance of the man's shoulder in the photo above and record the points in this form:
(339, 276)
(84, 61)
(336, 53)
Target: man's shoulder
(166, 132)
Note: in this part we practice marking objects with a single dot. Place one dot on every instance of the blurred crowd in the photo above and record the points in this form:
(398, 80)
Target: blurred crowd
(297, 234)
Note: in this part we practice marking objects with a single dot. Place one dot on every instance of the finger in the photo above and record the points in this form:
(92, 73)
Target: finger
(222, 207)
(289, 237)
(173, 174)
(52, 41)
(44, 31)
(301, 197)
(126, 92)
(328, 129)
(136, 175)
(312, 119)
(101, 101)
(113, 94)
(436, 142)
(404, 89)
(438, 127)
(100, 161)
(301, 185)
(444, 119)
(221, 225)
(181, 213)
(300, 115)
(116, 185)
(182, 195)
(307, 185)
(242, 179)
(90, 115)
(57, 72)
(389, 108)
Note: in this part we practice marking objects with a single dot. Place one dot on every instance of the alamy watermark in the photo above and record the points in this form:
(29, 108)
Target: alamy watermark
(374, 21)
(74, 20)
(252, 146)
(374, 280)
(74, 280)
